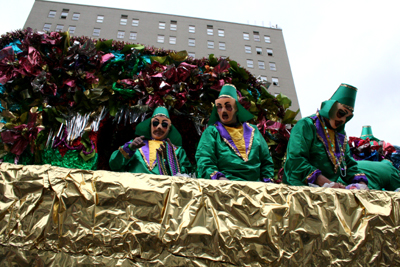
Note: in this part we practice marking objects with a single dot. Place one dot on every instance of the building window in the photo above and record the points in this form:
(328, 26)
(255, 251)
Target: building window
(174, 25)
(267, 39)
(64, 13)
(270, 52)
(192, 42)
(259, 50)
(191, 54)
(100, 18)
(52, 14)
(96, 32)
(250, 63)
(210, 44)
(192, 29)
(76, 16)
(221, 33)
(247, 49)
(59, 27)
(263, 79)
(275, 81)
(272, 66)
(124, 20)
(160, 39)
(221, 46)
(71, 29)
(47, 27)
(121, 34)
(223, 57)
(256, 36)
(261, 65)
(210, 30)
(246, 36)
(172, 40)
(161, 25)
(135, 22)
(133, 36)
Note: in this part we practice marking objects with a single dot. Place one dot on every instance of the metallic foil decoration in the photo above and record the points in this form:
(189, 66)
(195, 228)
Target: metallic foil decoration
(52, 216)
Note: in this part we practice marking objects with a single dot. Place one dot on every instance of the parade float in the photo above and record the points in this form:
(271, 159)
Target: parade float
(68, 102)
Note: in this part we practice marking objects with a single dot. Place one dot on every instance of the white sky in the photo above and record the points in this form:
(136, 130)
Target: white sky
(328, 42)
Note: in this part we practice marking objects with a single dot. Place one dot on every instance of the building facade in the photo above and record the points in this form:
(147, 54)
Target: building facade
(261, 50)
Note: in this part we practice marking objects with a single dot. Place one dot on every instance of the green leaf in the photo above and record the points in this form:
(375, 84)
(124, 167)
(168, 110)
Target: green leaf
(105, 45)
(162, 60)
(284, 101)
(113, 107)
(289, 116)
(244, 92)
(253, 107)
(264, 92)
(243, 73)
(128, 48)
(60, 120)
(234, 65)
(24, 117)
(212, 60)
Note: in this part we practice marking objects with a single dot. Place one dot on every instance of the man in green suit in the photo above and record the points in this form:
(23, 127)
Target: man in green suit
(140, 155)
(230, 148)
(317, 151)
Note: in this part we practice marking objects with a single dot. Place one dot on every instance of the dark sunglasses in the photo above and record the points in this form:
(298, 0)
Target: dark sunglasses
(163, 124)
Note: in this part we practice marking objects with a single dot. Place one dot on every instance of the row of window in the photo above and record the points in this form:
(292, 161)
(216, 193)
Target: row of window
(59, 28)
(64, 14)
(259, 50)
(256, 36)
(161, 25)
(274, 80)
(261, 65)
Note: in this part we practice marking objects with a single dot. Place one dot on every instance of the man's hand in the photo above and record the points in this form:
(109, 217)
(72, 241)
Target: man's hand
(223, 178)
(321, 180)
(137, 143)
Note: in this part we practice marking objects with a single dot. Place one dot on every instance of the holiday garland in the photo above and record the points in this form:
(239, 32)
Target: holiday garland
(69, 101)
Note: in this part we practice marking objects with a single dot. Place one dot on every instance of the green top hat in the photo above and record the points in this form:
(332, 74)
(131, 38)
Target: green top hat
(144, 128)
(345, 95)
(367, 133)
(229, 90)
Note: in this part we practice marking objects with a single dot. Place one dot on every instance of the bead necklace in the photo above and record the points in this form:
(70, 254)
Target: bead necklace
(332, 142)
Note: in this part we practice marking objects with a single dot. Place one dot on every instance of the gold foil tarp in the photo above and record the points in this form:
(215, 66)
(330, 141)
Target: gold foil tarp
(52, 216)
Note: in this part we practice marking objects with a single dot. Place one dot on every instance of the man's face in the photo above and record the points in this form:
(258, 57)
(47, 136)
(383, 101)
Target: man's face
(226, 108)
(338, 115)
(160, 126)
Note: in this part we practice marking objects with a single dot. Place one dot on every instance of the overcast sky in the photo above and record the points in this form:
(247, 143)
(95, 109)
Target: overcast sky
(328, 43)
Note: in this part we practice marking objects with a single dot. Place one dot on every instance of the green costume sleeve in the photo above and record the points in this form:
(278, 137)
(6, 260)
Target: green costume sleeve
(297, 166)
(267, 165)
(118, 162)
(185, 165)
(206, 154)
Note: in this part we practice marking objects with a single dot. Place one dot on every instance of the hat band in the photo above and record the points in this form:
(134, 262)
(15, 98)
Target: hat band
(160, 114)
(349, 86)
(225, 96)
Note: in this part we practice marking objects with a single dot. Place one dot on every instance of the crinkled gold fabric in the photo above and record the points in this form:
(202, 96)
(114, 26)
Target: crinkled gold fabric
(52, 216)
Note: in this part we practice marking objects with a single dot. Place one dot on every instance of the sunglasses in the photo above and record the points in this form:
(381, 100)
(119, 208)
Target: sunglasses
(163, 124)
